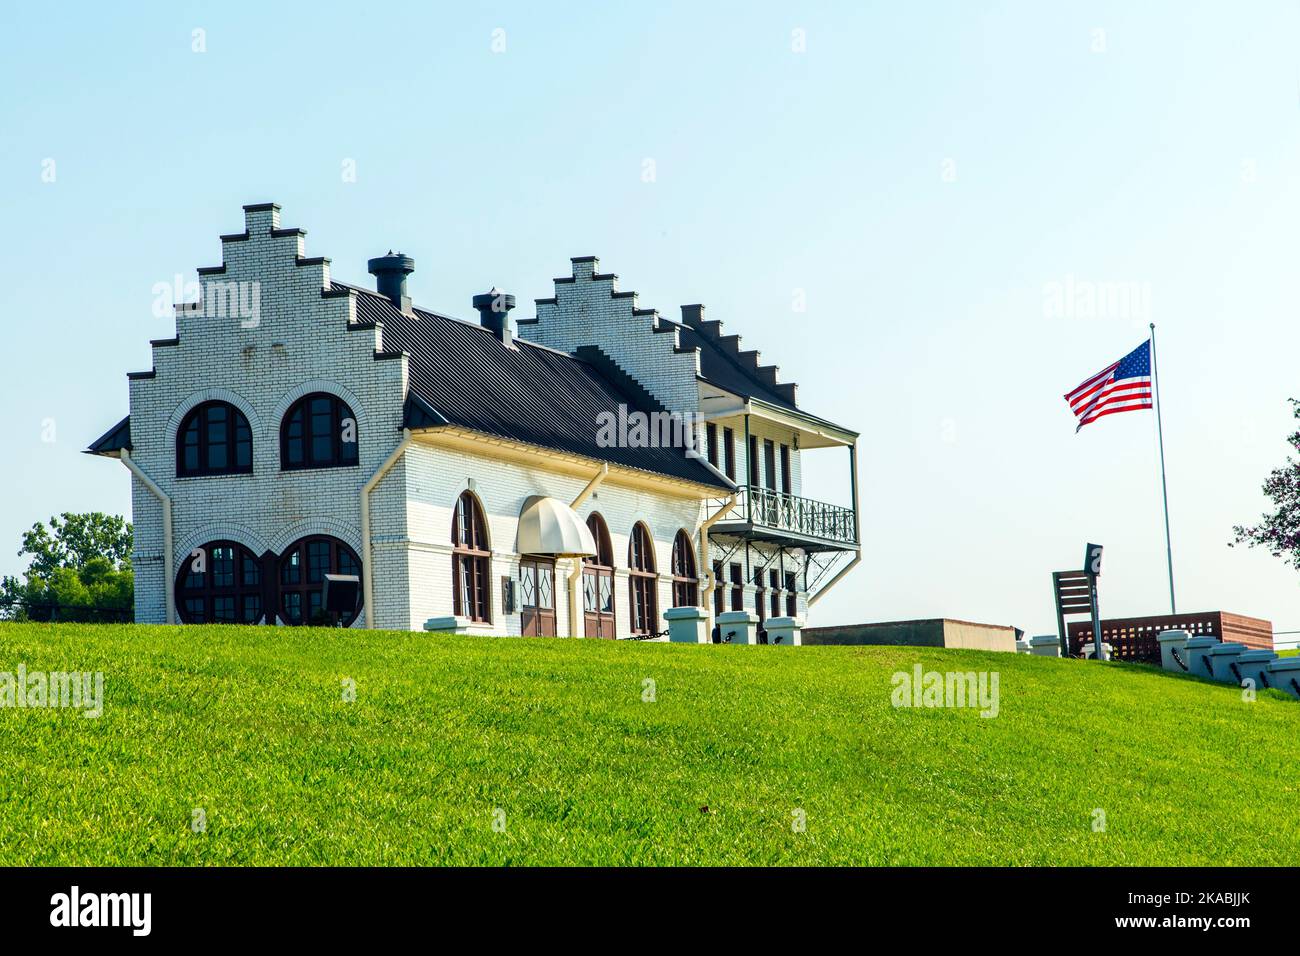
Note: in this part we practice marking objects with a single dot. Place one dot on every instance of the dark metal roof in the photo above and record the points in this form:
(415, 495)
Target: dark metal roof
(718, 368)
(115, 439)
(462, 374)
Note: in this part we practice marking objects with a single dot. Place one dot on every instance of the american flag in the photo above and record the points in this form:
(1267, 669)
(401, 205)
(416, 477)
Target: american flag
(1122, 387)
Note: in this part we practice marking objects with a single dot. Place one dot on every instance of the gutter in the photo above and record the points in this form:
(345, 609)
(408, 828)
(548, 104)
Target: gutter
(575, 575)
(705, 563)
(367, 569)
(169, 576)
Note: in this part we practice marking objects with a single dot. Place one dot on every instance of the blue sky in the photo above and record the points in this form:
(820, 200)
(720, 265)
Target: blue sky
(923, 172)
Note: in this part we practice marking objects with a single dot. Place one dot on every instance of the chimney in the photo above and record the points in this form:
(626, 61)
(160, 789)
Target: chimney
(390, 274)
(494, 313)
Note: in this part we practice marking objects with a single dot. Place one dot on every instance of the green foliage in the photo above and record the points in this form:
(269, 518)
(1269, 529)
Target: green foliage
(1279, 531)
(254, 727)
(80, 570)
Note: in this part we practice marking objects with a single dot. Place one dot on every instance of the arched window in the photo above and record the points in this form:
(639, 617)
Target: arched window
(318, 431)
(214, 439)
(686, 586)
(641, 580)
(598, 582)
(470, 561)
(303, 567)
(220, 583)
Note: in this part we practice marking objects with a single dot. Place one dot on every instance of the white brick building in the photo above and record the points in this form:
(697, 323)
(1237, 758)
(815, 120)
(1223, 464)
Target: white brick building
(298, 427)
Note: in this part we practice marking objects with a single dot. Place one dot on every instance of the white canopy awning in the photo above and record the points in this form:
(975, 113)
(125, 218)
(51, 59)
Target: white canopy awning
(549, 526)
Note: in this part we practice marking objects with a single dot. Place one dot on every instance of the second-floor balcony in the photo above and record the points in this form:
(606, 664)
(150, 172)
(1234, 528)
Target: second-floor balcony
(766, 514)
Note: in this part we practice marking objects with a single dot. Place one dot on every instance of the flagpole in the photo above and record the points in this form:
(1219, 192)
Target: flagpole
(1164, 487)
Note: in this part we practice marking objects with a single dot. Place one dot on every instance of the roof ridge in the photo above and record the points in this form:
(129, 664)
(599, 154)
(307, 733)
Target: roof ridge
(419, 310)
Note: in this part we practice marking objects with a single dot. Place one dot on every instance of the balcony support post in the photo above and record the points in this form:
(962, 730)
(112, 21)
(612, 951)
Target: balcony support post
(853, 489)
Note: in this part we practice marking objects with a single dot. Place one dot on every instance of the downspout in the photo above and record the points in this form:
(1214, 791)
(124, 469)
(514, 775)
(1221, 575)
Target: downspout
(857, 528)
(575, 575)
(705, 563)
(169, 581)
(367, 569)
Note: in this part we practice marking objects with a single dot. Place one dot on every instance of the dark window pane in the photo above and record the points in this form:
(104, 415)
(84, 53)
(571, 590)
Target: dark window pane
(318, 561)
(252, 572)
(293, 607)
(223, 567)
(347, 565)
(223, 610)
(290, 569)
(252, 609)
(316, 614)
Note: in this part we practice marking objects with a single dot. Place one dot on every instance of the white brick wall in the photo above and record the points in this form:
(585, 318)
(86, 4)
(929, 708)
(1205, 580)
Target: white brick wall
(589, 310)
(436, 479)
(301, 343)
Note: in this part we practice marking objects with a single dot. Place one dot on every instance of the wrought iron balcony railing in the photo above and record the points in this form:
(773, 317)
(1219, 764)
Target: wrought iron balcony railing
(775, 509)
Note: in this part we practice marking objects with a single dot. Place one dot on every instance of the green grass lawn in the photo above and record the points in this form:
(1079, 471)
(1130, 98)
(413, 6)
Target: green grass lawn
(552, 741)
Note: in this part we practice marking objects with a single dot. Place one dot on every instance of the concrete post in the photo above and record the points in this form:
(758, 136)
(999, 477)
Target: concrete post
(738, 627)
(785, 630)
(1284, 675)
(1198, 651)
(1252, 664)
(451, 624)
(1222, 657)
(1173, 649)
(687, 625)
(1045, 645)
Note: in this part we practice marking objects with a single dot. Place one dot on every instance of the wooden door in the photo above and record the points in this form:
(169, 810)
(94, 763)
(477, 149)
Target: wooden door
(537, 596)
(598, 602)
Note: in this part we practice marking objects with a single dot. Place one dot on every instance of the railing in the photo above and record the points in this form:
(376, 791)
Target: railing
(817, 519)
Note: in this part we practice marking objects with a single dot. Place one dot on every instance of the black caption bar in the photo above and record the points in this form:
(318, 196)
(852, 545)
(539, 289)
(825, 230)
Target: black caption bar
(142, 905)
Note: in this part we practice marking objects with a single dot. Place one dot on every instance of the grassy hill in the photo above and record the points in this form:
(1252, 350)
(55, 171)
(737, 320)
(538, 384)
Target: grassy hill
(552, 741)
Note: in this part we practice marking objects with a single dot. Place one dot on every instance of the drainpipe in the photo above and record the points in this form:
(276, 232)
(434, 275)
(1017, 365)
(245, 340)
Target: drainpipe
(704, 555)
(575, 575)
(367, 568)
(169, 581)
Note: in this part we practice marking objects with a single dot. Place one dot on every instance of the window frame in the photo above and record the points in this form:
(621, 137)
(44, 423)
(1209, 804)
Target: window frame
(642, 580)
(339, 411)
(737, 586)
(305, 587)
(199, 416)
(471, 558)
(598, 569)
(239, 591)
(686, 583)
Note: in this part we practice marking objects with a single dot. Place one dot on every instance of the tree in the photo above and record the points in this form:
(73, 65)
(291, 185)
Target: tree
(80, 570)
(1279, 531)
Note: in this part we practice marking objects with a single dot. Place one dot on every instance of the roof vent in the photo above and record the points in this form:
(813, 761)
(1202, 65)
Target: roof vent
(494, 314)
(390, 274)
